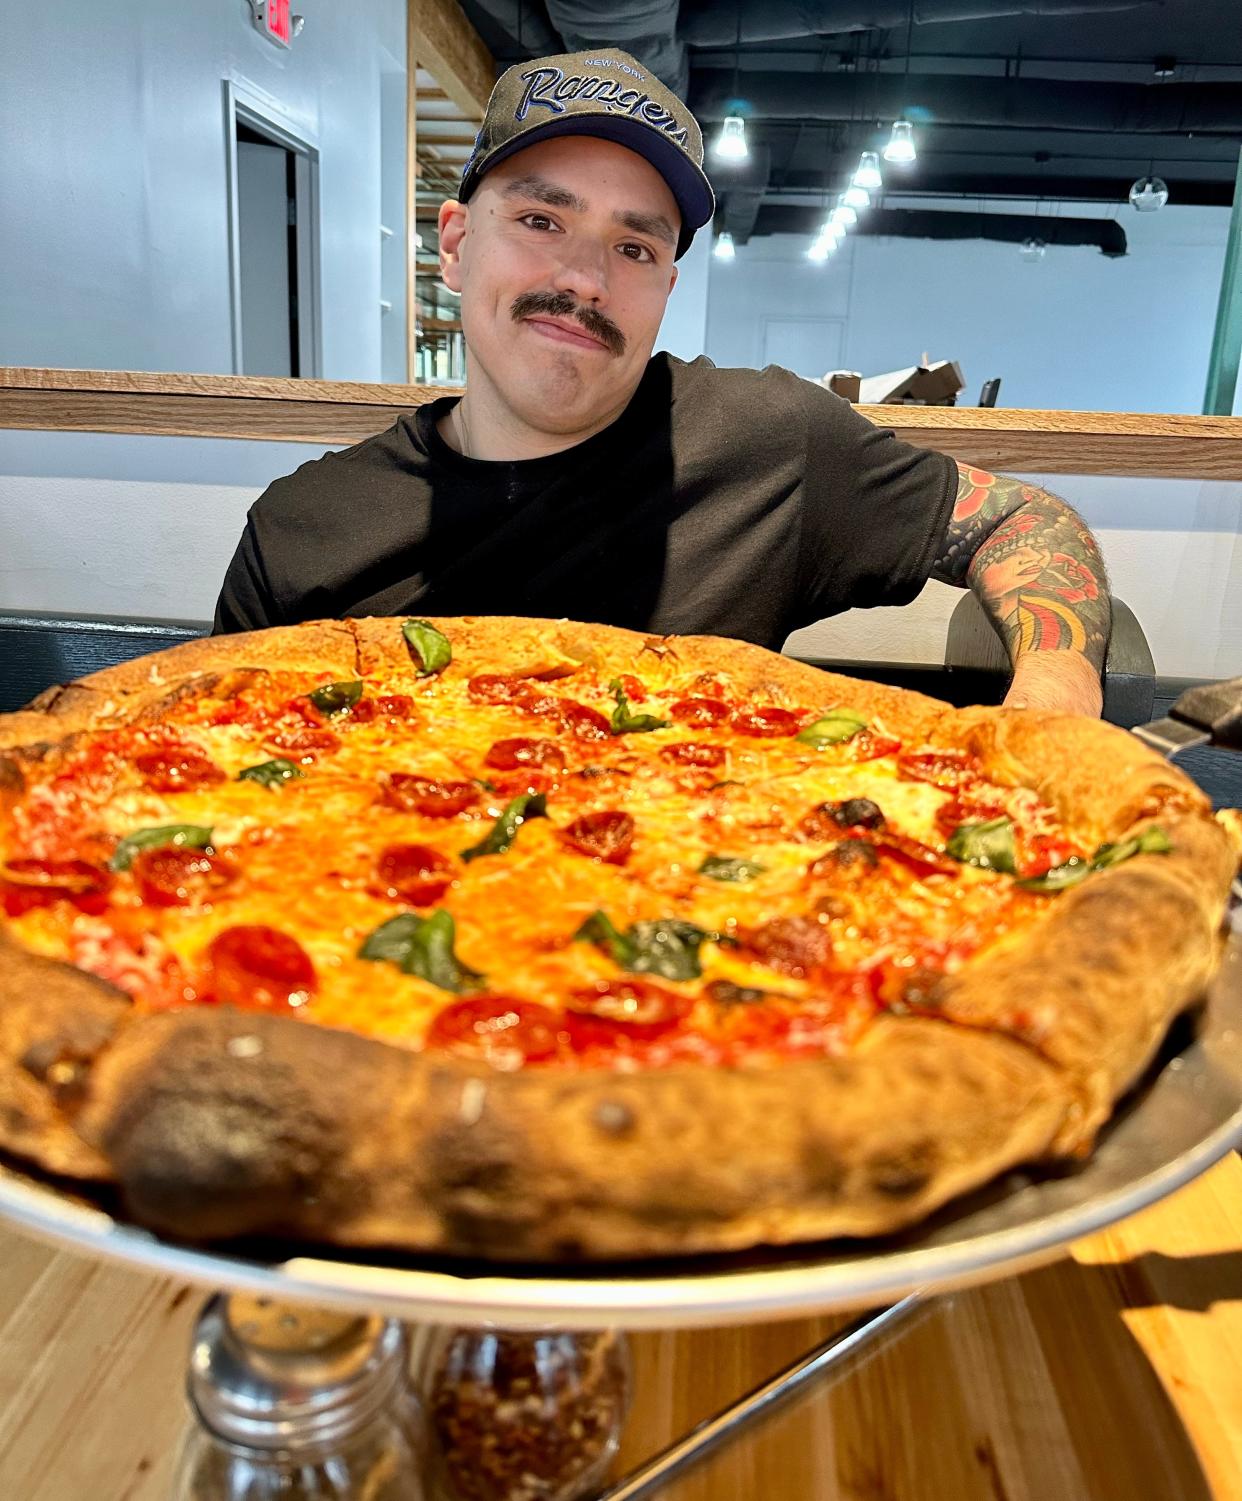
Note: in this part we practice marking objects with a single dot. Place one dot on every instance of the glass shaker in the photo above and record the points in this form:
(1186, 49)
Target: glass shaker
(298, 1404)
(522, 1415)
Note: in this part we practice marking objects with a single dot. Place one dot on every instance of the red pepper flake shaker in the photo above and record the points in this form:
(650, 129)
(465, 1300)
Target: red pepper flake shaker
(524, 1415)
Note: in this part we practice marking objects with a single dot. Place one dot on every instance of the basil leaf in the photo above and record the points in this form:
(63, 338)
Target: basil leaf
(191, 835)
(599, 929)
(835, 728)
(504, 830)
(336, 698)
(667, 947)
(624, 722)
(1059, 877)
(430, 649)
(1152, 841)
(986, 845)
(727, 868)
(422, 946)
(271, 773)
(392, 939)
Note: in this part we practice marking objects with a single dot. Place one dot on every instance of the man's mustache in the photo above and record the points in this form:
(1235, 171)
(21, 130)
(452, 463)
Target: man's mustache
(562, 305)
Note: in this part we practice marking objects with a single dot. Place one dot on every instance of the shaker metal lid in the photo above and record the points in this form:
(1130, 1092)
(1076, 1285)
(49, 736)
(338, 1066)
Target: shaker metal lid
(277, 1376)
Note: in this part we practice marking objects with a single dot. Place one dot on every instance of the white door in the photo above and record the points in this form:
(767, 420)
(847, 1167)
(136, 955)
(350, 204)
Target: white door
(807, 346)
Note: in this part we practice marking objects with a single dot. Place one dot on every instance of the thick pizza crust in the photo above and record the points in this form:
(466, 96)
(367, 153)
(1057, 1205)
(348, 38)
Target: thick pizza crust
(217, 1123)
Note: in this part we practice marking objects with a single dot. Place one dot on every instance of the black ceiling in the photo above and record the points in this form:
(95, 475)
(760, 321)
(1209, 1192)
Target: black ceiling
(1044, 103)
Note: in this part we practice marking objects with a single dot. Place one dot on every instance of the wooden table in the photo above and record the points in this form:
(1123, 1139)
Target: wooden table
(1113, 1375)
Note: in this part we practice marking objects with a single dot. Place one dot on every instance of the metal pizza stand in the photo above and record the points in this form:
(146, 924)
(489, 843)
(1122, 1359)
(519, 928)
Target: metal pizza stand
(1185, 1116)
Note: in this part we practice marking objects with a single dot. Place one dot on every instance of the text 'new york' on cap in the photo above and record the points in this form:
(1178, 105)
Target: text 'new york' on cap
(598, 93)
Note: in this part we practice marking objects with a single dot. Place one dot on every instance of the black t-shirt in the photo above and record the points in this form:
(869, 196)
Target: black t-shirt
(736, 503)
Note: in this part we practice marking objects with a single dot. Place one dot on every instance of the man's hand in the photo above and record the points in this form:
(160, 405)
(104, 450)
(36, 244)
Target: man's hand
(1065, 682)
(1038, 574)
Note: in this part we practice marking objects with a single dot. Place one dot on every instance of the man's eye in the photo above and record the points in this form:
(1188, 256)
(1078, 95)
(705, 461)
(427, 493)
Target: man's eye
(637, 253)
(538, 221)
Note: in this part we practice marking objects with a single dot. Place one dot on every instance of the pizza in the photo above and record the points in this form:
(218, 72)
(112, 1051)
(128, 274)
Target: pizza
(539, 940)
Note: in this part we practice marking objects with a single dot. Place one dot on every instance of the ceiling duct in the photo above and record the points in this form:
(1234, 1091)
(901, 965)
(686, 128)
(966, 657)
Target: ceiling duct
(934, 224)
(1043, 103)
(647, 29)
(707, 23)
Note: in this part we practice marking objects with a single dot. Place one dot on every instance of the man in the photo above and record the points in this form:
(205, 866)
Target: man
(579, 476)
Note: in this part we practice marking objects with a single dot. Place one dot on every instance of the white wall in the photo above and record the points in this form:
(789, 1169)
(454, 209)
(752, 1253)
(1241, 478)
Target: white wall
(1076, 330)
(113, 196)
(108, 524)
(684, 329)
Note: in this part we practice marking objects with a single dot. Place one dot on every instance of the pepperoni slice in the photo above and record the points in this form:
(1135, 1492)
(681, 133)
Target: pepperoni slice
(176, 876)
(412, 873)
(259, 969)
(522, 754)
(635, 1007)
(305, 741)
(632, 688)
(867, 745)
(26, 883)
(175, 768)
(390, 706)
(792, 945)
(704, 713)
(504, 1032)
(584, 722)
(426, 795)
(496, 688)
(687, 753)
(607, 836)
(942, 768)
(767, 722)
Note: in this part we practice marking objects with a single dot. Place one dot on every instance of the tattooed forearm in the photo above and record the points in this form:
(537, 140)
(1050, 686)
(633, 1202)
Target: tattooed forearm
(1033, 563)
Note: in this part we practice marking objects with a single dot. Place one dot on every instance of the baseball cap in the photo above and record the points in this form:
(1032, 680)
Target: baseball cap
(603, 92)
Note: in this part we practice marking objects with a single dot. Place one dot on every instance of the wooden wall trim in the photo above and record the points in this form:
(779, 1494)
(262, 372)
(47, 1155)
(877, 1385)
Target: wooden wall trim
(1175, 445)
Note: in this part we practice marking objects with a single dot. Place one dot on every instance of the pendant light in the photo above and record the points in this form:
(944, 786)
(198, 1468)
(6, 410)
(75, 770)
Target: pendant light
(900, 149)
(730, 144)
(855, 197)
(867, 175)
(724, 248)
(1149, 193)
(844, 215)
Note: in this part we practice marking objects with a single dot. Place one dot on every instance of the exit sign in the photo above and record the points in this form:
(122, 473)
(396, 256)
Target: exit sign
(276, 21)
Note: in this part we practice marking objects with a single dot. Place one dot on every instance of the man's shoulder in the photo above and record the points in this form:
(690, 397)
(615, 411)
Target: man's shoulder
(751, 398)
(320, 484)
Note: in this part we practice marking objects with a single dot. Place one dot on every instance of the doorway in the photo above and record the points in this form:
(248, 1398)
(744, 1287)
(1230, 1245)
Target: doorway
(274, 243)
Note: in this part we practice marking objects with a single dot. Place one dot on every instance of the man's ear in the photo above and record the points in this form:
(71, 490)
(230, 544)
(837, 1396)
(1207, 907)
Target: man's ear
(452, 224)
(672, 280)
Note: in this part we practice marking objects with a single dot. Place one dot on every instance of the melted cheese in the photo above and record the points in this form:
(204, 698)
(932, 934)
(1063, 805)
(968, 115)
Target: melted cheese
(306, 851)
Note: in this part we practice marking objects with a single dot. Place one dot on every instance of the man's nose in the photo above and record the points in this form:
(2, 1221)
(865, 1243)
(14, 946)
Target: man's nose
(583, 270)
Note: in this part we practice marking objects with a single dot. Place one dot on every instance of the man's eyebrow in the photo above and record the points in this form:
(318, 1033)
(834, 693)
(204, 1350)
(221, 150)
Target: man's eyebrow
(655, 225)
(543, 191)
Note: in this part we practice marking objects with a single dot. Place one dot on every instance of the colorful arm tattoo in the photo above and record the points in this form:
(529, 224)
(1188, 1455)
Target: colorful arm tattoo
(1032, 562)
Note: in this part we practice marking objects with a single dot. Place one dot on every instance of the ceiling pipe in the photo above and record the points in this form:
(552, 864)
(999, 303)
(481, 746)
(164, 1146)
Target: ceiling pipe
(708, 23)
(1044, 103)
(936, 224)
